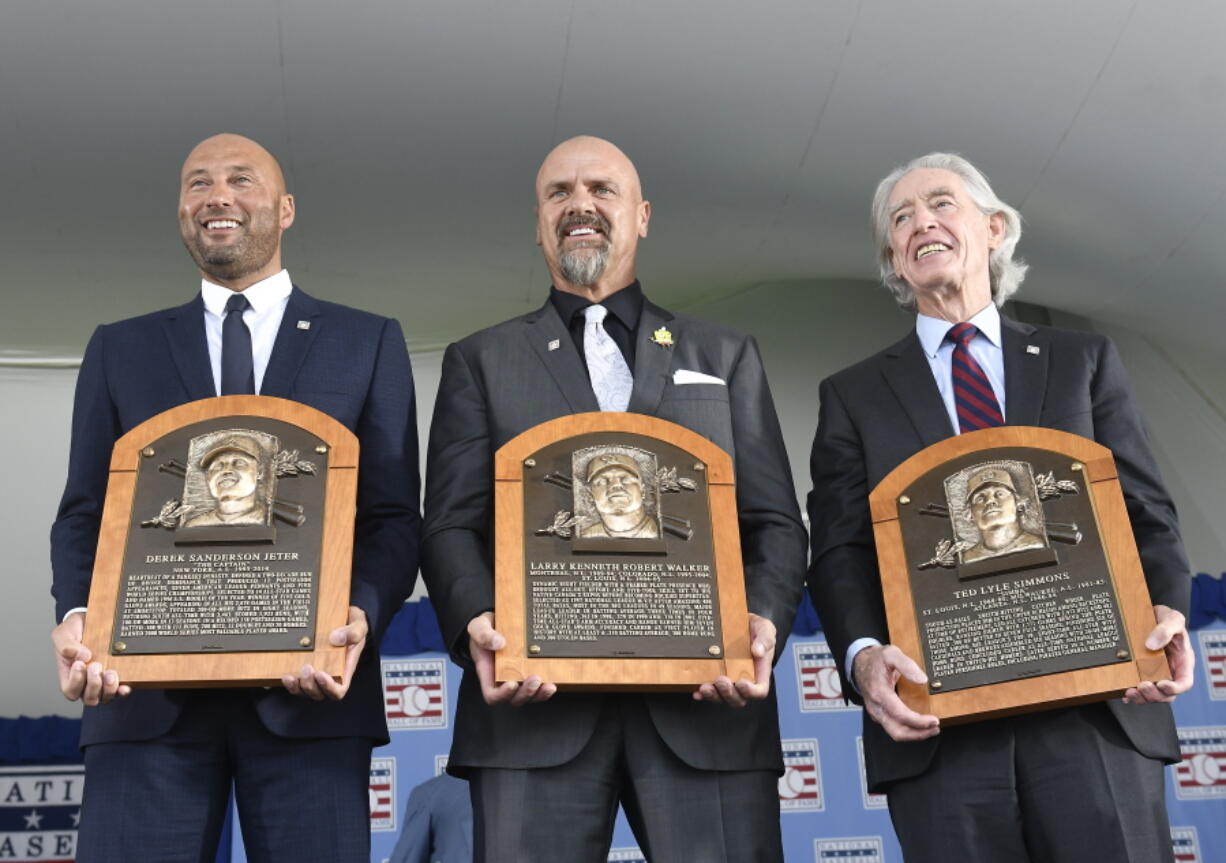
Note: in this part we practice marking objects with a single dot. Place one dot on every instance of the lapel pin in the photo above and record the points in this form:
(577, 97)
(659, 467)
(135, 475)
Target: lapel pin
(304, 325)
(662, 337)
(554, 344)
(1032, 349)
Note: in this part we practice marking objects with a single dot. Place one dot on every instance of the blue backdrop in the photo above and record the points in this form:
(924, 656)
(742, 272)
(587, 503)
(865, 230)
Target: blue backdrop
(827, 813)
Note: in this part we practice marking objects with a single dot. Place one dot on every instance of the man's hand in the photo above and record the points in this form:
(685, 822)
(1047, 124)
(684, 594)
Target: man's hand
(318, 685)
(483, 640)
(876, 671)
(81, 679)
(1170, 635)
(738, 694)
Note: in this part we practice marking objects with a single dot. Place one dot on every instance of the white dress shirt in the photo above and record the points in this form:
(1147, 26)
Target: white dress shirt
(263, 318)
(986, 348)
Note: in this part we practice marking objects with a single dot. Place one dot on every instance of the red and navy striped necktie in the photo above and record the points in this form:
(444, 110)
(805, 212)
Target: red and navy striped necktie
(973, 397)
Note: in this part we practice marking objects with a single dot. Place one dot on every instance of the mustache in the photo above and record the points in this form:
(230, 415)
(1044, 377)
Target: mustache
(586, 221)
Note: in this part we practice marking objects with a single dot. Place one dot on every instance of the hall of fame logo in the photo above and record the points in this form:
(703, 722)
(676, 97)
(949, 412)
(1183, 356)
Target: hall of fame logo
(871, 801)
(860, 849)
(1213, 652)
(440, 765)
(626, 855)
(1202, 773)
(800, 786)
(415, 693)
(1185, 845)
(817, 678)
(382, 794)
(40, 808)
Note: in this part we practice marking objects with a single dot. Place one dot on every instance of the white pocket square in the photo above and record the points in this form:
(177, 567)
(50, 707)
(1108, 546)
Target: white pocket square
(685, 376)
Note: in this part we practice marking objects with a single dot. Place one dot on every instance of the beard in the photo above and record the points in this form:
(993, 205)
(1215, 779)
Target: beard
(252, 250)
(582, 267)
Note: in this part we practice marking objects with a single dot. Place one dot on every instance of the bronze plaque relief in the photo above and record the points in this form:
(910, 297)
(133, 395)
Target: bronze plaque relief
(223, 549)
(618, 550)
(1007, 569)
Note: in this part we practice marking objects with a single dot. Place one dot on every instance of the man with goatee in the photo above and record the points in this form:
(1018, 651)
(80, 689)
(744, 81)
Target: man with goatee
(161, 763)
(695, 773)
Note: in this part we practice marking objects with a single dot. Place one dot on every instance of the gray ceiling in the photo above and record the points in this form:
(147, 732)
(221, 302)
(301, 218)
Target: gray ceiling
(411, 133)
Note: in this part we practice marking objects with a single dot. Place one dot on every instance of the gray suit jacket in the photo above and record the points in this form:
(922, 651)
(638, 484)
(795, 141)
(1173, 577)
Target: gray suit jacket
(880, 412)
(504, 380)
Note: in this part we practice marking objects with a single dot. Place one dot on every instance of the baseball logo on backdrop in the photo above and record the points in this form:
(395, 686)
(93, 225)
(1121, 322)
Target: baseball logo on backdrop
(626, 855)
(800, 786)
(1202, 773)
(1185, 845)
(859, 849)
(817, 678)
(382, 794)
(1213, 652)
(40, 808)
(415, 693)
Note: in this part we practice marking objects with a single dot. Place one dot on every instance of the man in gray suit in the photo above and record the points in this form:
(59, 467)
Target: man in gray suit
(1071, 784)
(696, 773)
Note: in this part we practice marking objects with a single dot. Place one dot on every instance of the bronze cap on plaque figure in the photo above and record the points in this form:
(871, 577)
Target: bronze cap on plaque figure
(1010, 574)
(618, 556)
(226, 544)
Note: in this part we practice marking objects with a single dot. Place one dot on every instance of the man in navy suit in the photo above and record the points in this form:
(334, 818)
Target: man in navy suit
(1076, 783)
(161, 762)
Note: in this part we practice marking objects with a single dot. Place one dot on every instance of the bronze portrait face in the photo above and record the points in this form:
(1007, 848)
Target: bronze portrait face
(229, 482)
(998, 513)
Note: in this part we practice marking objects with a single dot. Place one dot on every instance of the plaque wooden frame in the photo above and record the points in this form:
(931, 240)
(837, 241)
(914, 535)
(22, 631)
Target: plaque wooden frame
(262, 668)
(1096, 683)
(514, 662)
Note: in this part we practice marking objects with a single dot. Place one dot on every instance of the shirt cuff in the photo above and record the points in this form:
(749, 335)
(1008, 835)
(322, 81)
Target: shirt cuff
(852, 651)
(72, 611)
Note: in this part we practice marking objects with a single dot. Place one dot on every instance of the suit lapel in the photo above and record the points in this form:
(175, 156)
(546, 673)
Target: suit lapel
(910, 377)
(651, 361)
(184, 328)
(291, 345)
(1025, 371)
(562, 361)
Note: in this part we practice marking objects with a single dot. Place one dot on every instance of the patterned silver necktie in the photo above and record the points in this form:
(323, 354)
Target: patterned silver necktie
(611, 378)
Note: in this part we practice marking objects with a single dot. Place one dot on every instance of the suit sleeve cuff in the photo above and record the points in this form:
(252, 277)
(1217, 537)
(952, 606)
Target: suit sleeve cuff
(852, 652)
(70, 612)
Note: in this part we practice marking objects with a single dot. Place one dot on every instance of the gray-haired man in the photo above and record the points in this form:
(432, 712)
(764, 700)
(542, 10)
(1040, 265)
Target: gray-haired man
(1061, 785)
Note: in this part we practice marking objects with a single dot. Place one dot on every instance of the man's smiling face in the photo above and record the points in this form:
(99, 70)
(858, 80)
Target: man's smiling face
(939, 238)
(232, 209)
(590, 214)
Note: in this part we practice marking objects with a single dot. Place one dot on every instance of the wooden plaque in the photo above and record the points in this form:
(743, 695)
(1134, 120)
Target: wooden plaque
(1010, 574)
(226, 543)
(618, 556)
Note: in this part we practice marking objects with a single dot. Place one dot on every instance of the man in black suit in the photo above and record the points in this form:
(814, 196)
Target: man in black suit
(160, 762)
(695, 774)
(1068, 784)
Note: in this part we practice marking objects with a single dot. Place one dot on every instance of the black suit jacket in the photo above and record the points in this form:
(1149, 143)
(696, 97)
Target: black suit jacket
(879, 412)
(504, 380)
(349, 364)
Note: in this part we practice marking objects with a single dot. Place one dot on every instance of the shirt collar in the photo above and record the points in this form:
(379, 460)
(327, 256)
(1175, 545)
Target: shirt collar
(932, 331)
(262, 295)
(626, 305)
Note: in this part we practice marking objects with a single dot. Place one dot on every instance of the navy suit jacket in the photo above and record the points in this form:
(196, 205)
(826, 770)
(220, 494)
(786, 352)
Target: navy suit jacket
(506, 379)
(878, 413)
(349, 364)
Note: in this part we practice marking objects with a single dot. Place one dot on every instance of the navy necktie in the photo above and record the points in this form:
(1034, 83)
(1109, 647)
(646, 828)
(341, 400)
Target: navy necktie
(974, 399)
(237, 373)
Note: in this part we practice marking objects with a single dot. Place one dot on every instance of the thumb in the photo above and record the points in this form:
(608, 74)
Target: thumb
(907, 667)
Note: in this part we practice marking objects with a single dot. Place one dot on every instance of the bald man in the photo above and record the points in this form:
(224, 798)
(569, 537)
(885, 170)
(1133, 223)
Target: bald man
(160, 763)
(695, 773)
